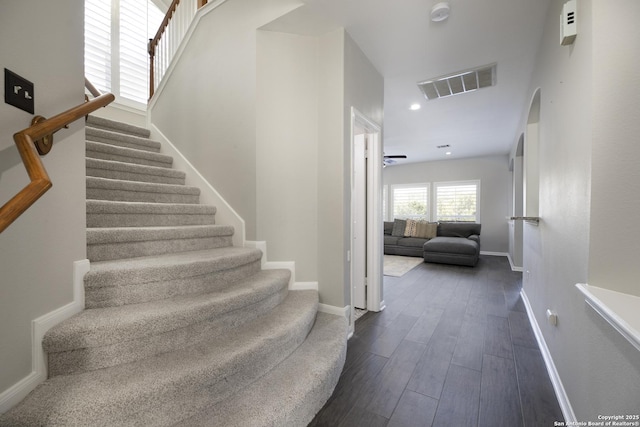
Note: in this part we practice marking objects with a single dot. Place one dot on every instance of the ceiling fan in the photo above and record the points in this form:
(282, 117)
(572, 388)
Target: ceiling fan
(390, 160)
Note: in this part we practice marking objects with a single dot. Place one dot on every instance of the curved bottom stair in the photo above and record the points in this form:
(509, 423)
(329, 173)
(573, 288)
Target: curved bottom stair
(180, 329)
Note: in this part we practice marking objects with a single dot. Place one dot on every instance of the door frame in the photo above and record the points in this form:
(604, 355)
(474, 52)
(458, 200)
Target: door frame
(374, 247)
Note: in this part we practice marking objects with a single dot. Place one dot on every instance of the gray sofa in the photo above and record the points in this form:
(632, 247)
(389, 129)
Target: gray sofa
(456, 243)
(400, 245)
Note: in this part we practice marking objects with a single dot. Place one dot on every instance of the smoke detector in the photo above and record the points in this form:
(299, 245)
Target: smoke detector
(440, 12)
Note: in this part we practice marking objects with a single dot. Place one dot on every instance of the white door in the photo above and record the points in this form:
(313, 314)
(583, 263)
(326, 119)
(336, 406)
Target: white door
(359, 215)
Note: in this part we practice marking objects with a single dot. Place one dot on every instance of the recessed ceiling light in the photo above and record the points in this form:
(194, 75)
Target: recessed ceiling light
(448, 153)
(414, 107)
(440, 12)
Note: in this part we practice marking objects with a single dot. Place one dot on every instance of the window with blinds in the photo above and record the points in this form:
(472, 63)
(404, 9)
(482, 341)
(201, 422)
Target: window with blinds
(97, 43)
(410, 201)
(116, 35)
(457, 201)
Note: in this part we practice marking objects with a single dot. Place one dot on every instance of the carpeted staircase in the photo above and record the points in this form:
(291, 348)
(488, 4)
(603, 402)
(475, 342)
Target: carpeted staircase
(180, 327)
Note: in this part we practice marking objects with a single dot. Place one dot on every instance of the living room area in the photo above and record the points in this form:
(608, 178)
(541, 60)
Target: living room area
(455, 193)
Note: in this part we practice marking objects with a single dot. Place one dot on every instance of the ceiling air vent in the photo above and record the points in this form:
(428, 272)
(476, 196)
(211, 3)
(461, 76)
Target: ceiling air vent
(460, 82)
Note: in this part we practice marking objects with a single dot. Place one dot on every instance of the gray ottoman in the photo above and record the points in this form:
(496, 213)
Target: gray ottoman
(452, 250)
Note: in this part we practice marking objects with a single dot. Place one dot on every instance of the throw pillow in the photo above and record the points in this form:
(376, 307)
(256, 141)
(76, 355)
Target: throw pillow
(398, 227)
(426, 230)
(410, 229)
(432, 230)
(421, 229)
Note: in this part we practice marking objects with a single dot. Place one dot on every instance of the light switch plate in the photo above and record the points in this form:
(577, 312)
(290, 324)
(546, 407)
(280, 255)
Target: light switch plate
(18, 91)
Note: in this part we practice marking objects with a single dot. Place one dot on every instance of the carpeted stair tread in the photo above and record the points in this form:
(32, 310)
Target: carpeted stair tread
(102, 123)
(107, 213)
(138, 280)
(129, 393)
(91, 358)
(99, 150)
(304, 381)
(133, 172)
(122, 140)
(169, 266)
(133, 242)
(133, 191)
(102, 326)
(96, 236)
(115, 207)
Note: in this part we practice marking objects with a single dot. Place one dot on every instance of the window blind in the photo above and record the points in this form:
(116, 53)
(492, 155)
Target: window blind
(411, 202)
(124, 55)
(97, 43)
(457, 201)
(133, 50)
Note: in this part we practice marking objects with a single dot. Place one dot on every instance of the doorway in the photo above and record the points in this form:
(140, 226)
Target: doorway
(366, 215)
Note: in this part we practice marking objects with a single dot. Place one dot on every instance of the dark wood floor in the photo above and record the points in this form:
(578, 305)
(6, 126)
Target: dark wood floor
(454, 347)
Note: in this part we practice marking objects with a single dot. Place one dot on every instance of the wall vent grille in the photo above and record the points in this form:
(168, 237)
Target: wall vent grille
(460, 82)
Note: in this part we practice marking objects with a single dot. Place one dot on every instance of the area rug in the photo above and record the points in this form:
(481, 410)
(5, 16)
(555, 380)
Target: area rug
(397, 266)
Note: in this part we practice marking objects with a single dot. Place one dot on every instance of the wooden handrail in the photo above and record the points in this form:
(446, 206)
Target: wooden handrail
(40, 181)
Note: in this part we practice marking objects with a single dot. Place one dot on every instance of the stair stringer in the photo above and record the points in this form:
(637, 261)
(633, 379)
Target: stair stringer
(225, 214)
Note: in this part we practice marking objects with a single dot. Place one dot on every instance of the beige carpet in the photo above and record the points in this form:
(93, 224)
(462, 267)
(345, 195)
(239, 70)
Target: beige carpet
(396, 266)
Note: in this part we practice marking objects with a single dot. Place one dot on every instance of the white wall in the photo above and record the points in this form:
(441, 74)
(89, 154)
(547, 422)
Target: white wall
(264, 117)
(207, 107)
(516, 227)
(347, 79)
(494, 176)
(37, 251)
(599, 369)
(615, 181)
(363, 90)
(286, 147)
(331, 171)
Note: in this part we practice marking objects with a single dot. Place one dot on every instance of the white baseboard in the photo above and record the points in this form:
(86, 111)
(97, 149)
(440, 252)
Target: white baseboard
(494, 253)
(304, 286)
(558, 387)
(513, 266)
(276, 265)
(337, 311)
(505, 254)
(39, 327)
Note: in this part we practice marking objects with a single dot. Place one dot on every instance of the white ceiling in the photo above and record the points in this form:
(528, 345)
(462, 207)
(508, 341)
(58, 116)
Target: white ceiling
(406, 47)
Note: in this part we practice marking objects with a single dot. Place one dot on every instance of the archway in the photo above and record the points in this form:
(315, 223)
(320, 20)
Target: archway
(531, 175)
